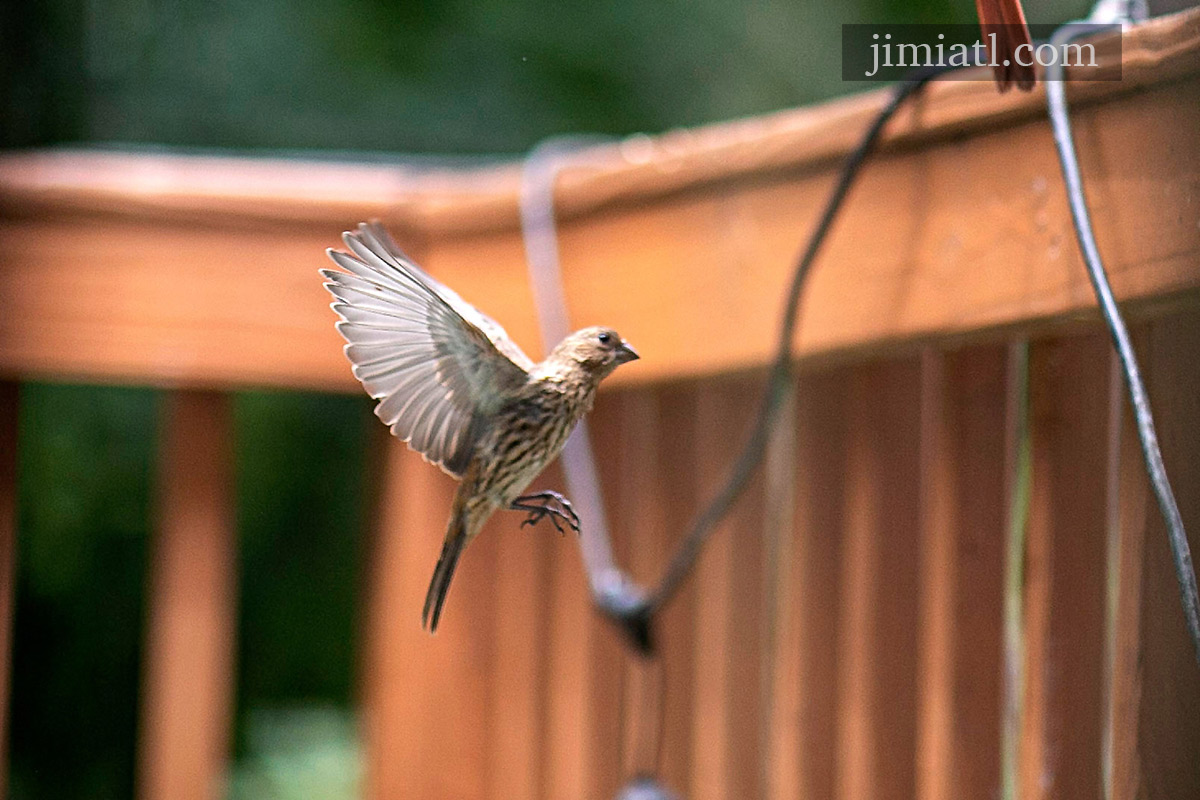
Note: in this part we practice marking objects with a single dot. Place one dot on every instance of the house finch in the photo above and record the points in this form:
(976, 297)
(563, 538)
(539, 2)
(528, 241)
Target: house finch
(452, 384)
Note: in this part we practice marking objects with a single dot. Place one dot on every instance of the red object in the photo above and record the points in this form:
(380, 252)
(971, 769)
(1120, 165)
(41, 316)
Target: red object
(1006, 20)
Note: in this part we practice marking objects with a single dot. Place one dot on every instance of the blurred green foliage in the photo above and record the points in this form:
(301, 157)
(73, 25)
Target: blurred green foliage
(302, 494)
(418, 76)
(478, 76)
(87, 461)
(299, 754)
(86, 456)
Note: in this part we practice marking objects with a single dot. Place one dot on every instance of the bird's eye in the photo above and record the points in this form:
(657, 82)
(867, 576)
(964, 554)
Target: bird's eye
(605, 338)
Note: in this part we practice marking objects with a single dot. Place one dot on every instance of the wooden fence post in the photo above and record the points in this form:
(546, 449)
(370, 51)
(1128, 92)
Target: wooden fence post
(877, 659)
(8, 557)
(804, 708)
(1155, 686)
(962, 572)
(1060, 748)
(188, 683)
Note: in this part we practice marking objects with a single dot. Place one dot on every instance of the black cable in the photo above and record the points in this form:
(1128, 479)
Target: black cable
(614, 594)
(777, 383)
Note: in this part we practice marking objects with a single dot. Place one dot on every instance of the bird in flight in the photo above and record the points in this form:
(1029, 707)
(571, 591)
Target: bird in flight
(452, 384)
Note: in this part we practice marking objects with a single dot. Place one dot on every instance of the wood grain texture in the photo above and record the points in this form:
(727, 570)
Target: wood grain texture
(1168, 700)
(124, 300)
(516, 721)
(9, 394)
(582, 747)
(566, 747)
(779, 695)
(962, 544)
(947, 236)
(639, 511)
(878, 648)
(631, 431)
(638, 169)
(187, 701)
(709, 779)
(1060, 747)
(606, 652)
(666, 510)
(805, 665)
(877, 659)
(1133, 505)
(726, 746)
(425, 698)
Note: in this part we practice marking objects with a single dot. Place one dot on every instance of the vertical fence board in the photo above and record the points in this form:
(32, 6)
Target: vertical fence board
(876, 752)
(745, 624)
(462, 652)
(710, 768)
(424, 696)
(963, 533)
(582, 740)
(779, 689)
(935, 734)
(617, 467)
(582, 657)
(805, 667)
(641, 553)
(567, 674)
(1065, 569)
(516, 718)
(188, 683)
(728, 579)
(672, 504)
(1168, 715)
(8, 558)
(779, 724)
(1125, 688)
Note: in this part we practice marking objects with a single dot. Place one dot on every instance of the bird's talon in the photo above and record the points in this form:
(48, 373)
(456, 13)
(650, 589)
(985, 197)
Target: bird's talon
(548, 504)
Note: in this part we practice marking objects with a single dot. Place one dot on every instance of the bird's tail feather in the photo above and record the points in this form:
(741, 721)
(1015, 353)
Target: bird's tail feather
(456, 537)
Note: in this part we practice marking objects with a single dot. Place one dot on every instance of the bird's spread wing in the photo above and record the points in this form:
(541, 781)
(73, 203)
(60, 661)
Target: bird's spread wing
(435, 363)
(372, 237)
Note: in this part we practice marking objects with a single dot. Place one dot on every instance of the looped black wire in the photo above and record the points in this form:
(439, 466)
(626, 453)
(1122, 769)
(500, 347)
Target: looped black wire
(780, 374)
(630, 607)
(633, 609)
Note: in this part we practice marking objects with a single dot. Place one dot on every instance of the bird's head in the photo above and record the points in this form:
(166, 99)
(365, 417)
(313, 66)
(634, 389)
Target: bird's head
(596, 351)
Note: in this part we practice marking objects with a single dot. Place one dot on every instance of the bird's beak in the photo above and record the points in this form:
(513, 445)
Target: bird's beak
(626, 353)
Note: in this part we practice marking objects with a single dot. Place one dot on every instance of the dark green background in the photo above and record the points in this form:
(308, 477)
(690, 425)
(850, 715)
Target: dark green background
(487, 77)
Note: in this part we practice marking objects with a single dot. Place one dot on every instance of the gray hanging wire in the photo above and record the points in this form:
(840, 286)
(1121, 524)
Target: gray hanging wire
(612, 589)
(1061, 123)
(613, 592)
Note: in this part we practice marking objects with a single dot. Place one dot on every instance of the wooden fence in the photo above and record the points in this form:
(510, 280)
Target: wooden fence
(928, 592)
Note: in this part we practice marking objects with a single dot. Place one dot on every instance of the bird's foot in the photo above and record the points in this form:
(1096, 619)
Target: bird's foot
(547, 504)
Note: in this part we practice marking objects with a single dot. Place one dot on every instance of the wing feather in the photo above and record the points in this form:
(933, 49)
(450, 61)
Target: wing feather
(379, 242)
(435, 363)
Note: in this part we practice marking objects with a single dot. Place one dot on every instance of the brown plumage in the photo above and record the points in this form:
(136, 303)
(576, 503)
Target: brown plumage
(452, 384)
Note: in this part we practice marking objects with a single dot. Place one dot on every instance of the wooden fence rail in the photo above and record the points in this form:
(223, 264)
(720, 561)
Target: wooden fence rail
(848, 632)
